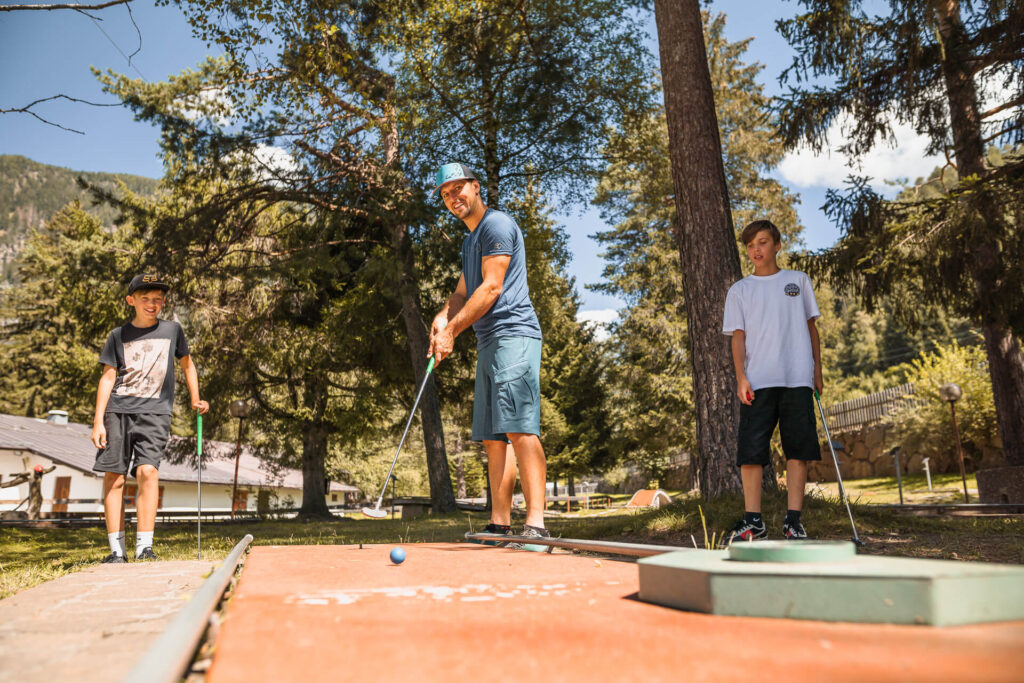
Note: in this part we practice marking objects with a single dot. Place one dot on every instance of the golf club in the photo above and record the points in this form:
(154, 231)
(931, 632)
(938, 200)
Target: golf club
(375, 511)
(839, 477)
(199, 486)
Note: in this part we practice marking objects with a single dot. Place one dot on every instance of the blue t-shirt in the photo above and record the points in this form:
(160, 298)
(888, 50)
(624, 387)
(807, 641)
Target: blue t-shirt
(512, 315)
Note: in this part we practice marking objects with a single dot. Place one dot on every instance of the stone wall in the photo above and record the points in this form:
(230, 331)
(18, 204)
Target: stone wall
(865, 454)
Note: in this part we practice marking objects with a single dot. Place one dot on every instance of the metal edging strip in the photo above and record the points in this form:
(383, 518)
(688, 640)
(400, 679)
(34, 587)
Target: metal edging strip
(610, 547)
(169, 657)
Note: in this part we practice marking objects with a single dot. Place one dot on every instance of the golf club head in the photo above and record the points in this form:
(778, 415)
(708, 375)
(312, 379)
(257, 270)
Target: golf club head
(376, 513)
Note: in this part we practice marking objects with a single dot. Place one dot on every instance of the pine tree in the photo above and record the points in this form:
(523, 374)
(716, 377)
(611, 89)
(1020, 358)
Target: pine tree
(652, 397)
(924, 64)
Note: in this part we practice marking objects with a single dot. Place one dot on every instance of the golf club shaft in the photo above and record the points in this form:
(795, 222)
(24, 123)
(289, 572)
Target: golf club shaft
(839, 477)
(423, 385)
(199, 487)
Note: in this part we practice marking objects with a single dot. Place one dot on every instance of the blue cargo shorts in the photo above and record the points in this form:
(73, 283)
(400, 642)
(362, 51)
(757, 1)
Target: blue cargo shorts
(506, 398)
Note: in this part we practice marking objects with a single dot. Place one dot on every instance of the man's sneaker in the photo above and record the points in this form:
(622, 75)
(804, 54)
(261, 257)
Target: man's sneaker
(793, 531)
(491, 529)
(744, 531)
(113, 558)
(147, 554)
(532, 532)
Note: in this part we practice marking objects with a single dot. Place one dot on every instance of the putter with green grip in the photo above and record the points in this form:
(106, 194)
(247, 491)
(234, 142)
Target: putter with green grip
(199, 486)
(839, 477)
(375, 511)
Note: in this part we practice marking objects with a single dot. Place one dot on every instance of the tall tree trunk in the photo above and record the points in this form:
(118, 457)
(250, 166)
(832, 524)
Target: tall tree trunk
(1005, 361)
(488, 503)
(572, 485)
(489, 124)
(441, 497)
(314, 455)
(314, 448)
(460, 466)
(704, 231)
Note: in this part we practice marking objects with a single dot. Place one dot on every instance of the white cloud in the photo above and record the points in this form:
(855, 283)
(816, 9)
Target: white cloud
(214, 105)
(600, 318)
(830, 168)
(276, 161)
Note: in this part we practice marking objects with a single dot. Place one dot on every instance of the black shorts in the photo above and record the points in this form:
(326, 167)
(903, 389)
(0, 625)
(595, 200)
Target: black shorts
(144, 435)
(792, 408)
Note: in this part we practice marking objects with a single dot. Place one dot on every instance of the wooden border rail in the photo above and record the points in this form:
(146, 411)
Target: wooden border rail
(169, 658)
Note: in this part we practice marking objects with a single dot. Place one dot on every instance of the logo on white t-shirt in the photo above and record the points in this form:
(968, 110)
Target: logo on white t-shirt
(792, 289)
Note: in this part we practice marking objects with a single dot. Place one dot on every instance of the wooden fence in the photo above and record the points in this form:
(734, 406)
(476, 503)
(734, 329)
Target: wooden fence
(866, 410)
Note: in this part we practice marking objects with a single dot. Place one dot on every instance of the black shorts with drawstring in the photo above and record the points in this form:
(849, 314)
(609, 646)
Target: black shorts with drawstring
(792, 409)
(142, 435)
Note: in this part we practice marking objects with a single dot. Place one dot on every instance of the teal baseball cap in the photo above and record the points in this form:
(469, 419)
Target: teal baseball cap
(450, 172)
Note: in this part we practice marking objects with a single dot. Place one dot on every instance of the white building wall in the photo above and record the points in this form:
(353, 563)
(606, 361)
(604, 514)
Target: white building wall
(83, 485)
(217, 497)
(89, 486)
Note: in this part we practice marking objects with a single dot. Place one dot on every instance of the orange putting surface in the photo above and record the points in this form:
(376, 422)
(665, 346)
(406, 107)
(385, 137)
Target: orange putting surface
(470, 612)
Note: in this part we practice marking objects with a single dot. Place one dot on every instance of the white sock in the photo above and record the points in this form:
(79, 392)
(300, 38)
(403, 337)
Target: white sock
(116, 541)
(143, 539)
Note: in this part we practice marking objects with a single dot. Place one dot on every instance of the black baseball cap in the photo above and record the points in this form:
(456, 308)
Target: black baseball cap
(147, 281)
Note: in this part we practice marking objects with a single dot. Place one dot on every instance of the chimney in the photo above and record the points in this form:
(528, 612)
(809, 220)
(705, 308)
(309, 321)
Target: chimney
(57, 417)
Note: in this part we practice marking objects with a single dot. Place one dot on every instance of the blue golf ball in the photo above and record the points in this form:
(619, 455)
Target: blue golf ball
(397, 555)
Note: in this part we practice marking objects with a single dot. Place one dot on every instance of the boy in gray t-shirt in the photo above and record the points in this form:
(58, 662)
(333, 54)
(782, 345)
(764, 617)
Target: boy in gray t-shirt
(133, 411)
(770, 316)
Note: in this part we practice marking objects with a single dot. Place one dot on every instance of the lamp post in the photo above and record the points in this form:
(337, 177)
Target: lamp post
(951, 393)
(239, 409)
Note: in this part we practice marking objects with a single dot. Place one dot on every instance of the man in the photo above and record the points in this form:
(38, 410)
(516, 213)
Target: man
(493, 297)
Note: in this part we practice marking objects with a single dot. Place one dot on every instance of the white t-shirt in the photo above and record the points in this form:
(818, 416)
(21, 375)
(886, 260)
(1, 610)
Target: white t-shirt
(773, 310)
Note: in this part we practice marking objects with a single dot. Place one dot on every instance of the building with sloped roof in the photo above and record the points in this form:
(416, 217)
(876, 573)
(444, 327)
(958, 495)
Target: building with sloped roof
(73, 489)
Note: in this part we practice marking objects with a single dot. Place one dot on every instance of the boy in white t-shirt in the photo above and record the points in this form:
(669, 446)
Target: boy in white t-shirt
(770, 316)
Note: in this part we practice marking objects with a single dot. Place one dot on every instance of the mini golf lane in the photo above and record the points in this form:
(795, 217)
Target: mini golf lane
(469, 612)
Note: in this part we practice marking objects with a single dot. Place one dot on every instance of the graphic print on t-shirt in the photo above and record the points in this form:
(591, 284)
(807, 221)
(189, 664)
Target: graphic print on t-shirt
(145, 363)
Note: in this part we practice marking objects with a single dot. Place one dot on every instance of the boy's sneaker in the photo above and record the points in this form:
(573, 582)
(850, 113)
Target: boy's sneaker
(744, 531)
(793, 531)
(147, 554)
(532, 532)
(113, 558)
(492, 529)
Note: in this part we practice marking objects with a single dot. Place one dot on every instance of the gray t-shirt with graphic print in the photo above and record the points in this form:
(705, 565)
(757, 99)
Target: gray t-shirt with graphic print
(144, 359)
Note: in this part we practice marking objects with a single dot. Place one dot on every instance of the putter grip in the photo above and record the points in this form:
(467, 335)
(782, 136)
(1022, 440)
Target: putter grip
(199, 433)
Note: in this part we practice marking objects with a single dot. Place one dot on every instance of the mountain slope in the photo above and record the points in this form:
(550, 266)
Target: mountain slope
(31, 192)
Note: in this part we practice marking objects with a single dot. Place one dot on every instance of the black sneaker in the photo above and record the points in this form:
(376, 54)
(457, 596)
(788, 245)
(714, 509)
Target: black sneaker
(532, 532)
(491, 528)
(794, 531)
(147, 554)
(113, 558)
(744, 531)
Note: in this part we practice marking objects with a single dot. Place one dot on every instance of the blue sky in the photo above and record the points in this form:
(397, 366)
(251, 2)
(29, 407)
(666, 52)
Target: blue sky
(45, 53)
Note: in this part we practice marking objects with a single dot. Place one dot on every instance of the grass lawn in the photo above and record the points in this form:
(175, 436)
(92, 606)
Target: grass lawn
(946, 488)
(32, 556)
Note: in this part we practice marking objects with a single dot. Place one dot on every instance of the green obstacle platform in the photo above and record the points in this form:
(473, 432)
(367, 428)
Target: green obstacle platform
(828, 581)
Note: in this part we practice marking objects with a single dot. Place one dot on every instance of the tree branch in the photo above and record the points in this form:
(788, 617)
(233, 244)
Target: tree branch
(74, 6)
(27, 109)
